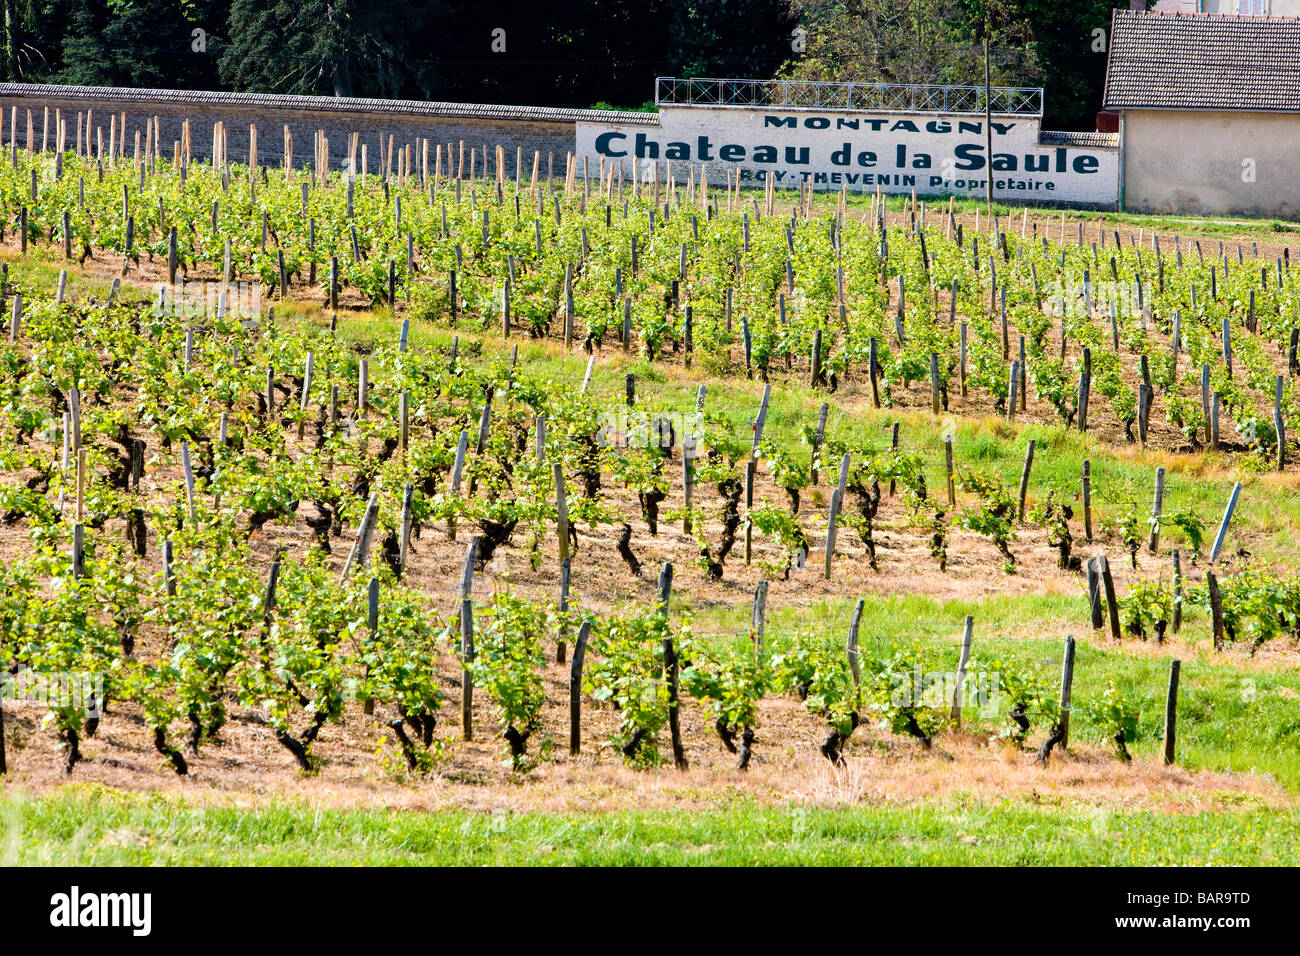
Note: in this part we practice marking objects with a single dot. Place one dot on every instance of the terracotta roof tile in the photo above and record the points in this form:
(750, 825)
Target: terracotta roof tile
(1095, 140)
(1203, 61)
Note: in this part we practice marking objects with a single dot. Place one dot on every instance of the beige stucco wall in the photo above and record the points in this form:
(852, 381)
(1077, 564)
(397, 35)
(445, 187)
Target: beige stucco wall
(1192, 162)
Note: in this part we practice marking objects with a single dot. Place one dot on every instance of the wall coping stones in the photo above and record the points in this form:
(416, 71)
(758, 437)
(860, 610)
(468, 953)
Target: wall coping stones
(129, 96)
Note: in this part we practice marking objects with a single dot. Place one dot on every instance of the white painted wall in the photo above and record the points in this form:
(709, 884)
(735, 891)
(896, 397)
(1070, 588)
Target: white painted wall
(933, 154)
(1201, 163)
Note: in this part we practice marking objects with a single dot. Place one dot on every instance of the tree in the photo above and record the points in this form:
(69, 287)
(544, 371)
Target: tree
(142, 43)
(32, 35)
(915, 41)
(1071, 42)
(83, 47)
(728, 38)
(322, 47)
(562, 53)
(1061, 47)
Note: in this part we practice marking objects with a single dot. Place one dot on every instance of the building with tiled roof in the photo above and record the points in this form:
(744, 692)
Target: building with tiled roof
(1209, 109)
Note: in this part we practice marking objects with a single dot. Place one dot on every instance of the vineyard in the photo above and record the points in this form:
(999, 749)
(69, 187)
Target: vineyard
(437, 478)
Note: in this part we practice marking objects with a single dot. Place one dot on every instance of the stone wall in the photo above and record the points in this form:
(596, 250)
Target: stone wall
(547, 131)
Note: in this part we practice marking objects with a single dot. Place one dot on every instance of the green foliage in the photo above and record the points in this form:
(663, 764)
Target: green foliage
(783, 528)
(401, 670)
(299, 660)
(1148, 604)
(509, 657)
(1187, 521)
(787, 471)
(1117, 712)
(296, 672)
(730, 683)
(1126, 522)
(628, 674)
(1021, 693)
(794, 662)
(994, 515)
(1257, 606)
(902, 695)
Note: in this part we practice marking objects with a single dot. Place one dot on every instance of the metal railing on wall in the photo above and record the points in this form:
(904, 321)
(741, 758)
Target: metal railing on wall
(881, 97)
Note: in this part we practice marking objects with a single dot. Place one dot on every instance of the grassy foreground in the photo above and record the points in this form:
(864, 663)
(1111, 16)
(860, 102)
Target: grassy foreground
(83, 827)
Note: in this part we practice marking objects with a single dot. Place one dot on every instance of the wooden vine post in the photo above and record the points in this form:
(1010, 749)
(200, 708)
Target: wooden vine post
(837, 502)
(935, 389)
(1205, 402)
(1216, 608)
(169, 576)
(962, 365)
(575, 688)
(1067, 683)
(1278, 424)
(1223, 525)
(851, 645)
(1215, 400)
(947, 461)
(670, 667)
(963, 661)
(760, 420)
(462, 446)
(758, 616)
(818, 437)
(1177, 621)
(1024, 478)
(372, 619)
(893, 446)
(561, 512)
(1112, 605)
(359, 557)
(1013, 389)
(466, 671)
(1087, 500)
(306, 389)
(1094, 593)
(186, 467)
(815, 370)
(688, 481)
(750, 467)
(1171, 711)
(480, 445)
(1157, 510)
(1085, 386)
(78, 551)
(404, 422)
